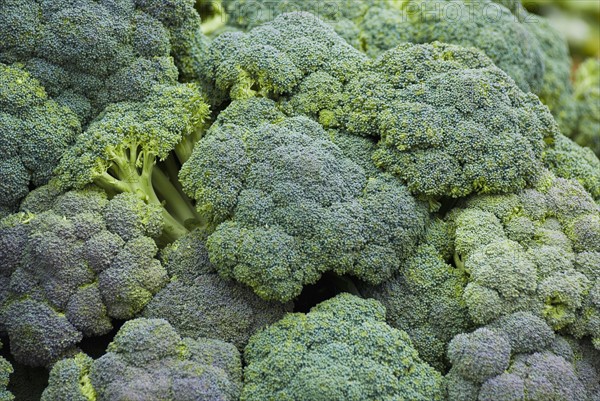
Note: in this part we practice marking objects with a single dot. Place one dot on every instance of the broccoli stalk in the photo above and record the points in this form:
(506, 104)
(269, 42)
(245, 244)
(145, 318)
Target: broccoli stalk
(133, 169)
(133, 148)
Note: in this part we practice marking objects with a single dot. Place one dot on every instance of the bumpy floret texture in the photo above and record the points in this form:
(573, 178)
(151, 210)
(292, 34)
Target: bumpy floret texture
(341, 350)
(89, 53)
(5, 371)
(427, 103)
(34, 132)
(537, 251)
(199, 303)
(68, 270)
(587, 97)
(425, 298)
(450, 122)
(148, 360)
(274, 58)
(289, 206)
(375, 26)
(519, 358)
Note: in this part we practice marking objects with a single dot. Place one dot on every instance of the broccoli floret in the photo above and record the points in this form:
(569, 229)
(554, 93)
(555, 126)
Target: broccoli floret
(70, 270)
(375, 26)
(535, 251)
(567, 159)
(199, 303)
(288, 206)
(517, 358)
(88, 53)
(587, 99)
(34, 133)
(148, 360)
(274, 58)
(119, 151)
(428, 103)
(341, 350)
(6, 370)
(426, 298)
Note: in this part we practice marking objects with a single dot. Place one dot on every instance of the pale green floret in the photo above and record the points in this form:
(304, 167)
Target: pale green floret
(534, 251)
(341, 350)
(148, 360)
(69, 270)
(119, 152)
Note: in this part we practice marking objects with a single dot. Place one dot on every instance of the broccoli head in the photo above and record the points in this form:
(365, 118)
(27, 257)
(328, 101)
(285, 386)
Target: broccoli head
(119, 151)
(90, 53)
(450, 122)
(518, 358)
(425, 298)
(73, 267)
(199, 303)
(587, 99)
(34, 132)
(288, 205)
(536, 251)
(148, 360)
(375, 26)
(6, 370)
(341, 350)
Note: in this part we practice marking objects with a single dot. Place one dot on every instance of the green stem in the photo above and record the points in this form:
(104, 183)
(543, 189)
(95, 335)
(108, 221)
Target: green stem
(175, 202)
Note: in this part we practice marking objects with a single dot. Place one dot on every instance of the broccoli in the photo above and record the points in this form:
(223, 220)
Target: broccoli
(375, 26)
(536, 250)
(288, 205)
(587, 100)
(199, 303)
(567, 159)
(341, 350)
(518, 358)
(71, 268)
(6, 370)
(90, 53)
(34, 132)
(148, 360)
(425, 298)
(119, 152)
(426, 103)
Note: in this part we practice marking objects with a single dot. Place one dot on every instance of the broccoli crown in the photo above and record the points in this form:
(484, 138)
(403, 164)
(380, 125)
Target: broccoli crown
(199, 303)
(6, 370)
(34, 133)
(119, 150)
(427, 103)
(567, 159)
(375, 26)
(519, 358)
(89, 53)
(425, 298)
(148, 360)
(537, 251)
(341, 350)
(289, 206)
(274, 58)
(73, 267)
(587, 99)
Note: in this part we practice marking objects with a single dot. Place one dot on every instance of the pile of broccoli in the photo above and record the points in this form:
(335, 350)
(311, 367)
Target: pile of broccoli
(290, 200)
